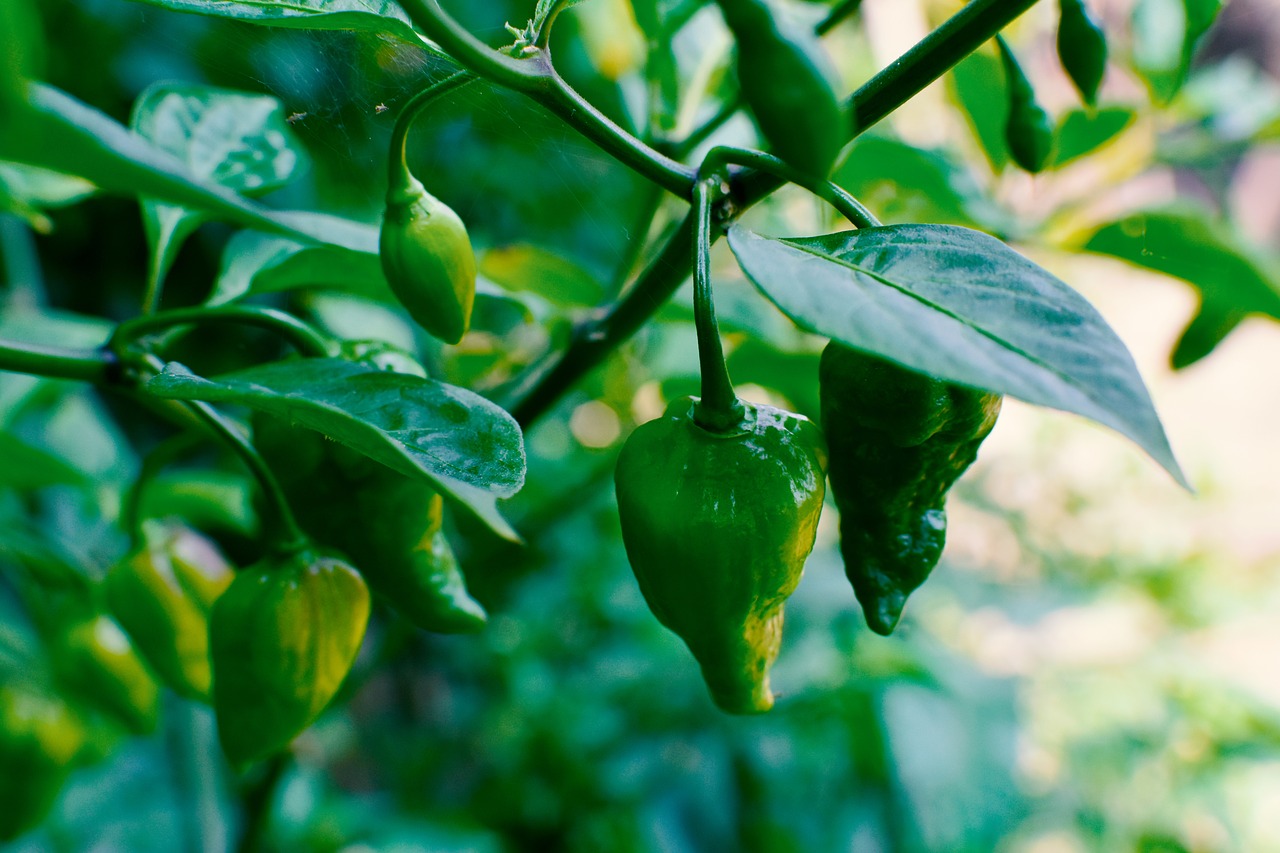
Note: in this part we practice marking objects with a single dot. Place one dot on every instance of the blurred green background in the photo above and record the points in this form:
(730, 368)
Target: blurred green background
(1092, 667)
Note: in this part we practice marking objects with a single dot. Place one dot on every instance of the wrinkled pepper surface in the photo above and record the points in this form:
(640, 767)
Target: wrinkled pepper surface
(898, 441)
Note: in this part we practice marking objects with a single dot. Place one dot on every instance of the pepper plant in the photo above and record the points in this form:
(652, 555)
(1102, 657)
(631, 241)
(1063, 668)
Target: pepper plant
(356, 449)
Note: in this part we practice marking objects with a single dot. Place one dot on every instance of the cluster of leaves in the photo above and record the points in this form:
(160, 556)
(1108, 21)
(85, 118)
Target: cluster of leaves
(528, 740)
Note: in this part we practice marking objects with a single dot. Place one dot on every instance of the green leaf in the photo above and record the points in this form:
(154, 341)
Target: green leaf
(209, 500)
(525, 267)
(377, 17)
(1165, 36)
(469, 449)
(903, 183)
(29, 191)
(233, 139)
(1233, 281)
(977, 84)
(1082, 132)
(254, 263)
(55, 131)
(27, 467)
(965, 307)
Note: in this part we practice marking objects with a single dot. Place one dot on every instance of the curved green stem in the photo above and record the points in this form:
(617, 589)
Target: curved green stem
(305, 339)
(57, 363)
(719, 409)
(469, 51)
(399, 179)
(834, 194)
(593, 340)
(535, 77)
(563, 100)
(287, 533)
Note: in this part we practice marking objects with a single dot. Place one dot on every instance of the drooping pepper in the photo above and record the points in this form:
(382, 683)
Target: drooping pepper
(1082, 48)
(788, 83)
(717, 527)
(283, 637)
(1028, 130)
(161, 594)
(389, 525)
(428, 261)
(898, 441)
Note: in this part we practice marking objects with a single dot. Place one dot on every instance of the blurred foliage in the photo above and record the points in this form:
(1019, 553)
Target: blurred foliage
(1005, 715)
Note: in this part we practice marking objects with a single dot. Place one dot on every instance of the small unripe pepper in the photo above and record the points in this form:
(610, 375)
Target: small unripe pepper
(1028, 130)
(1082, 48)
(717, 527)
(283, 637)
(898, 441)
(788, 83)
(428, 261)
(161, 594)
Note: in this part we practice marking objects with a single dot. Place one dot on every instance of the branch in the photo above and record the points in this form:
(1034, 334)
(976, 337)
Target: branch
(928, 60)
(56, 363)
(534, 76)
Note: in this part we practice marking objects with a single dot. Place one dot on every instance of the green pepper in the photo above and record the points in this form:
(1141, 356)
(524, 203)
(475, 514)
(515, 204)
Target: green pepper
(1082, 48)
(283, 638)
(788, 83)
(161, 594)
(389, 525)
(898, 440)
(94, 658)
(1028, 130)
(428, 261)
(717, 527)
(39, 739)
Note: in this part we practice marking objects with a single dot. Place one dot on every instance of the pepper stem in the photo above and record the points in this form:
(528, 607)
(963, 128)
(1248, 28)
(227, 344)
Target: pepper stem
(719, 410)
(401, 184)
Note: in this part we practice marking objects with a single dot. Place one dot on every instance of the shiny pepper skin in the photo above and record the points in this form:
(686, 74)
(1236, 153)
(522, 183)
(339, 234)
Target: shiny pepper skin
(1028, 130)
(898, 440)
(787, 81)
(283, 638)
(161, 594)
(387, 524)
(1082, 48)
(428, 261)
(39, 740)
(717, 527)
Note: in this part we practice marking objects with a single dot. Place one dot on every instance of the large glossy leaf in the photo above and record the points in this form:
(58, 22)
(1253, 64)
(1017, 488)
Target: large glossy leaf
(236, 140)
(469, 449)
(55, 131)
(379, 17)
(1233, 281)
(965, 307)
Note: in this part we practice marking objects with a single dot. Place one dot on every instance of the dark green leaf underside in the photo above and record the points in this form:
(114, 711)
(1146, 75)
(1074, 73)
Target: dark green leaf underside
(469, 449)
(965, 307)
